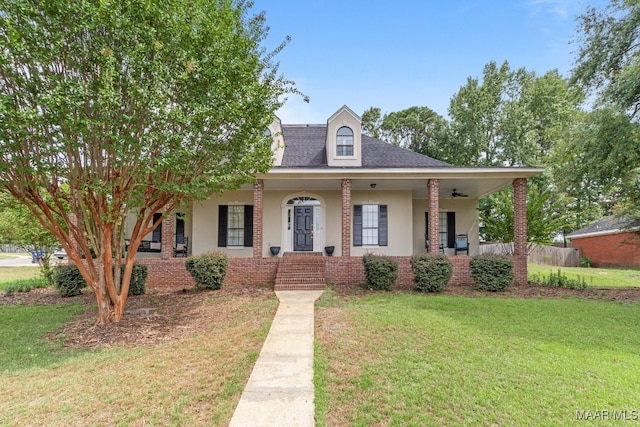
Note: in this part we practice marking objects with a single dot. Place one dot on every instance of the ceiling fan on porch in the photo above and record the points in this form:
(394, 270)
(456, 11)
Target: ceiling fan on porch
(455, 194)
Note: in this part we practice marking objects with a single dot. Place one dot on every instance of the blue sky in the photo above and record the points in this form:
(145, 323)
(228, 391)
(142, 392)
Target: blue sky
(397, 54)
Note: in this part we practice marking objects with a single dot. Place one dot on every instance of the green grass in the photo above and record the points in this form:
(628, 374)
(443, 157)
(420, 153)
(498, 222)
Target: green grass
(11, 274)
(414, 360)
(193, 379)
(595, 277)
(22, 335)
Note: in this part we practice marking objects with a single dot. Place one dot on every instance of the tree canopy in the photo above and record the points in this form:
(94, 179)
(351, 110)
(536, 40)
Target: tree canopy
(608, 59)
(113, 105)
(608, 65)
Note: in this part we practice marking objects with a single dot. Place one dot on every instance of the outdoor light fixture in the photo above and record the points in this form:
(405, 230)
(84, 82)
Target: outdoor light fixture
(373, 185)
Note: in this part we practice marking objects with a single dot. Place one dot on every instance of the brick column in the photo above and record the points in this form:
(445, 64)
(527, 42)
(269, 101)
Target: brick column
(258, 188)
(346, 217)
(520, 229)
(433, 191)
(168, 233)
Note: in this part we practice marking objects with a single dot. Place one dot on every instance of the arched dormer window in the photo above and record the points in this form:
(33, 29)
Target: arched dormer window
(344, 142)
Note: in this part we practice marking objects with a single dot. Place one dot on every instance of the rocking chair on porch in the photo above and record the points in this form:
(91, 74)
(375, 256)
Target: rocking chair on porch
(180, 249)
(462, 243)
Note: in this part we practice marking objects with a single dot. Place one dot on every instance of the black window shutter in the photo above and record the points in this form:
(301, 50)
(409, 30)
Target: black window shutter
(156, 236)
(383, 225)
(222, 225)
(451, 229)
(179, 227)
(426, 228)
(426, 225)
(248, 225)
(357, 225)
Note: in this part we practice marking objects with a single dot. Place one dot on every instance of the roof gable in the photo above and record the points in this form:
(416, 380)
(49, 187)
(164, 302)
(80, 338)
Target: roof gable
(305, 148)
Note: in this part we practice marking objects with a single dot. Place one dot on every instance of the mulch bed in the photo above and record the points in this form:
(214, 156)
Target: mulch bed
(169, 315)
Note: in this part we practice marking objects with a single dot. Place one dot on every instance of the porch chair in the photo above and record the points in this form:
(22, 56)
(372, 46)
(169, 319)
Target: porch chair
(426, 245)
(180, 249)
(462, 243)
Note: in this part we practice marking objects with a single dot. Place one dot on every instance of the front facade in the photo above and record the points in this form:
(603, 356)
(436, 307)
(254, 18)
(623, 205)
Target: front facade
(337, 192)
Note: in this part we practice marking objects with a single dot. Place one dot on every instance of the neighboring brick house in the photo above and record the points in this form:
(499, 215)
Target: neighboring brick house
(610, 242)
(333, 187)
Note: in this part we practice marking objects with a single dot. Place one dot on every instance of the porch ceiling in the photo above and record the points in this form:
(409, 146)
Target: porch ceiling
(475, 183)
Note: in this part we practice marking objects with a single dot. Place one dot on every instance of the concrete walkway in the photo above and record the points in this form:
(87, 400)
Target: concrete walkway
(280, 388)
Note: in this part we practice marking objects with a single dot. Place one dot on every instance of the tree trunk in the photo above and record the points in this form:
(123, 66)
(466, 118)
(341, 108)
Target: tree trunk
(105, 307)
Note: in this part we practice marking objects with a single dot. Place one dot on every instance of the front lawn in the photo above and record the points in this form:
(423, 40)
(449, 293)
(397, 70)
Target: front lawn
(423, 360)
(184, 362)
(595, 277)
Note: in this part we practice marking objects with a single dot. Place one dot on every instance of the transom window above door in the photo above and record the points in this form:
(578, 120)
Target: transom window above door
(302, 200)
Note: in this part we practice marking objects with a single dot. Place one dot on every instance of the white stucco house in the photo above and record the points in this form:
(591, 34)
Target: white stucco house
(333, 186)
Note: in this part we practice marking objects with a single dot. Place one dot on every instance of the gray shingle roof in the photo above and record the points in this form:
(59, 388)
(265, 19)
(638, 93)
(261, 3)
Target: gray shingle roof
(607, 224)
(305, 148)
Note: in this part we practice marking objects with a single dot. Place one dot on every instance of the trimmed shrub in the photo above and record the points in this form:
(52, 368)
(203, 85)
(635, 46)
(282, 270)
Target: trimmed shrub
(137, 285)
(68, 280)
(381, 273)
(492, 272)
(432, 272)
(208, 270)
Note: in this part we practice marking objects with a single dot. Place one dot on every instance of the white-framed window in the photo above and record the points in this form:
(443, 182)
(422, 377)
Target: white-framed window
(443, 229)
(344, 141)
(370, 225)
(446, 228)
(235, 227)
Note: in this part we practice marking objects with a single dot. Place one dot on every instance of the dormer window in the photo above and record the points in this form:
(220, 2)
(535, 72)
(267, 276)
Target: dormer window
(344, 142)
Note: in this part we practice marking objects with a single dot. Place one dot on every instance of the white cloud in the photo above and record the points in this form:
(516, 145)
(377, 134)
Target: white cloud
(560, 9)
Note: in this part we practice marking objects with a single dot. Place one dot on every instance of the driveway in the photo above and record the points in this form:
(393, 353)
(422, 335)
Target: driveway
(23, 261)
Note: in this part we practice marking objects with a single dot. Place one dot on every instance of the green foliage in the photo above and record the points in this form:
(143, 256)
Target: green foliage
(141, 91)
(25, 285)
(608, 60)
(68, 280)
(381, 273)
(137, 285)
(208, 270)
(432, 272)
(492, 272)
(543, 218)
(510, 117)
(585, 262)
(608, 64)
(559, 279)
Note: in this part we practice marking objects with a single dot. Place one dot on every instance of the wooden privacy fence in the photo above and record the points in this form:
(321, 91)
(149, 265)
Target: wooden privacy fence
(538, 254)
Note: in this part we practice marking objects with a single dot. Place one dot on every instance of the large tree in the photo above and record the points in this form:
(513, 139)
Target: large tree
(118, 105)
(510, 117)
(608, 64)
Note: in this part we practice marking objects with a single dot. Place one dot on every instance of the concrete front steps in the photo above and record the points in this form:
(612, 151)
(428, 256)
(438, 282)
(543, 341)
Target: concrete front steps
(301, 271)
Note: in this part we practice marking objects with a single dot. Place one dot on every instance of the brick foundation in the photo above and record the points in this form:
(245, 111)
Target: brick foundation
(171, 273)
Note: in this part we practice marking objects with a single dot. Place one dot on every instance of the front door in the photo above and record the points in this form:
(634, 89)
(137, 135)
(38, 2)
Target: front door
(303, 228)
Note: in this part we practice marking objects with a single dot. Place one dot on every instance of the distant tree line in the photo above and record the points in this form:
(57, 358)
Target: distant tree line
(590, 151)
